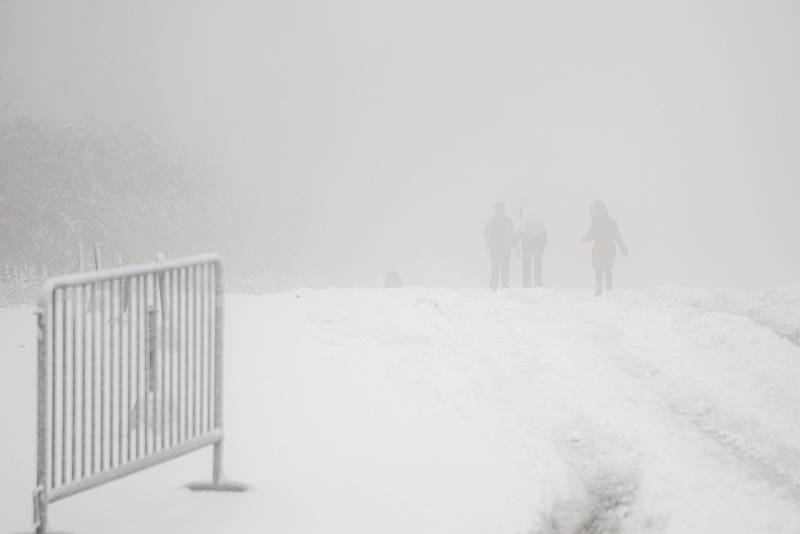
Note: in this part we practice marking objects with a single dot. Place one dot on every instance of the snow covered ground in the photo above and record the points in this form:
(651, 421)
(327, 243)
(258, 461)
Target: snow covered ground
(441, 411)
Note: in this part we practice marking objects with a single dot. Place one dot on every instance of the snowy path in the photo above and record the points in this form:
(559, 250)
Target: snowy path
(438, 411)
(634, 413)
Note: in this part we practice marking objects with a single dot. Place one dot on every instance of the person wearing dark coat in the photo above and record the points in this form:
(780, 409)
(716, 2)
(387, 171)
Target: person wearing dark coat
(606, 237)
(500, 237)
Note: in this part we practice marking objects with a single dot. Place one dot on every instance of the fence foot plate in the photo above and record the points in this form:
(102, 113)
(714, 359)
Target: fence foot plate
(223, 485)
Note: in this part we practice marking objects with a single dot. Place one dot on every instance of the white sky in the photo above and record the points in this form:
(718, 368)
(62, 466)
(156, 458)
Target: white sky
(376, 135)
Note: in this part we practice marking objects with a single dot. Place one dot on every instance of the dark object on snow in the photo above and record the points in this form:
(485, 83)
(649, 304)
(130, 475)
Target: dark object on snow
(393, 279)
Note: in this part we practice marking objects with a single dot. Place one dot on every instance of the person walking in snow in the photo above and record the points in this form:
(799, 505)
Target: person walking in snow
(500, 237)
(533, 240)
(605, 235)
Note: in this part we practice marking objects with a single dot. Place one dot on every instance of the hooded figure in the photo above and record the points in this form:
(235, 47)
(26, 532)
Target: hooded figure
(605, 235)
(533, 238)
(500, 237)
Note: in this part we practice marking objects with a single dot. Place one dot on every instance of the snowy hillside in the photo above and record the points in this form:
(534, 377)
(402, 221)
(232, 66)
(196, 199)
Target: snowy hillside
(440, 411)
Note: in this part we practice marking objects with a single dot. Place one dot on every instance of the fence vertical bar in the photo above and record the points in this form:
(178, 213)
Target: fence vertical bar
(192, 376)
(75, 383)
(64, 387)
(163, 359)
(123, 375)
(176, 360)
(51, 322)
(112, 373)
(40, 494)
(189, 349)
(103, 371)
(152, 373)
(169, 286)
(198, 307)
(218, 374)
(179, 340)
(212, 336)
(204, 348)
(131, 418)
(213, 344)
(95, 366)
(69, 379)
(148, 335)
(141, 355)
(182, 354)
(85, 398)
(116, 353)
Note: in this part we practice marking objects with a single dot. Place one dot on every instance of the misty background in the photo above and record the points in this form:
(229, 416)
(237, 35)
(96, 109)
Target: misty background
(330, 142)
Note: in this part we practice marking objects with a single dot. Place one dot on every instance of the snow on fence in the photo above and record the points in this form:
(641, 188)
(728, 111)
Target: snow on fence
(129, 374)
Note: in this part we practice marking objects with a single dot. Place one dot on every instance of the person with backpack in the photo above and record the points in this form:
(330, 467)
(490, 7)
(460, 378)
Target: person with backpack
(605, 235)
(500, 237)
(533, 240)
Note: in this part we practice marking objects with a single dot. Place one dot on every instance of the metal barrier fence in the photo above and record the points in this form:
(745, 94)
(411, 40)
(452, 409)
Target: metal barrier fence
(129, 374)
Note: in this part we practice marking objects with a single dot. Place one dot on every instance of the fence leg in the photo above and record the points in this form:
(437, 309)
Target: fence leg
(40, 513)
(216, 475)
(218, 482)
(40, 495)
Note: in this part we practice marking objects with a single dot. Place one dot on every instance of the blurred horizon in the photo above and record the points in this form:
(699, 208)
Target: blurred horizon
(355, 138)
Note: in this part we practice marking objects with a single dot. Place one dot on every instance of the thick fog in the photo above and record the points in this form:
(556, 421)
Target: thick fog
(360, 137)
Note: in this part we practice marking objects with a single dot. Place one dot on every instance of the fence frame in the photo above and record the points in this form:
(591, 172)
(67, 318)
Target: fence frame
(46, 331)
